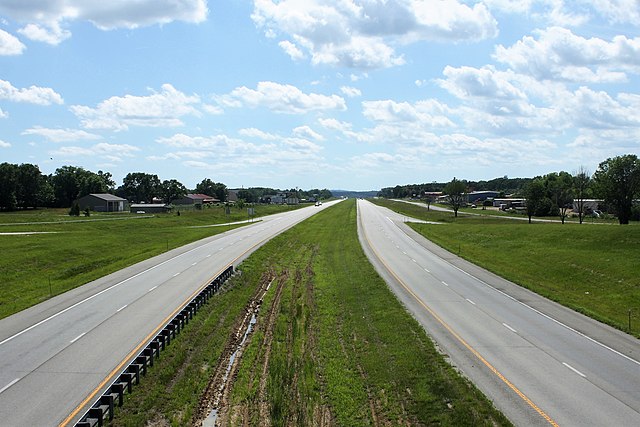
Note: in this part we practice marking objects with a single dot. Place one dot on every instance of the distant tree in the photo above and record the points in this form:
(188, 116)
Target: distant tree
(75, 209)
(617, 181)
(325, 194)
(428, 199)
(140, 186)
(92, 183)
(8, 186)
(455, 190)
(171, 190)
(560, 191)
(107, 178)
(534, 194)
(67, 182)
(581, 183)
(215, 189)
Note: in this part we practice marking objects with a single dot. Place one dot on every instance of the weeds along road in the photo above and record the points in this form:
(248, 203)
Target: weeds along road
(540, 363)
(56, 355)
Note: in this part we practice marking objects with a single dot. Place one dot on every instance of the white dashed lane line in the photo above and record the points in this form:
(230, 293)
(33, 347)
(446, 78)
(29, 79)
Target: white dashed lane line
(9, 385)
(77, 338)
(509, 328)
(574, 370)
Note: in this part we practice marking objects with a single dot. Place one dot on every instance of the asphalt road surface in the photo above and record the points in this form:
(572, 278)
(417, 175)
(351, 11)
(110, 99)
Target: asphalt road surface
(538, 362)
(55, 356)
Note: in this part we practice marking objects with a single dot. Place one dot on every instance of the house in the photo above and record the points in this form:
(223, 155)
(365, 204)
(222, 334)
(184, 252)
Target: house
(102, 202)
(147, 208)
(232, 196)
(196, 199)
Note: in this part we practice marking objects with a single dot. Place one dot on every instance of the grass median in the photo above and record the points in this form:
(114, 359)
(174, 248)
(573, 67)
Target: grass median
(591, 268)
(331, 346)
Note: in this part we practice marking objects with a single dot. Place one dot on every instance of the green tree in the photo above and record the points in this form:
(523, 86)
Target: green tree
(8, 186)
(560, 190)
(171, 190)
(140, 186)
(581, 184)
(617, 181)
(211, 188)
(534, 193)
(456, 191)
(67, 182)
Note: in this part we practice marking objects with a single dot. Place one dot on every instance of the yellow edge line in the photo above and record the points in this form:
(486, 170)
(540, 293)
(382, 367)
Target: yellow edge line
(146, 340)
(461, 340)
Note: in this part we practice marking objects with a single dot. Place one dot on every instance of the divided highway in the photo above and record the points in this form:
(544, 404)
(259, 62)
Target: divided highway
(57, 356)
(540, 363)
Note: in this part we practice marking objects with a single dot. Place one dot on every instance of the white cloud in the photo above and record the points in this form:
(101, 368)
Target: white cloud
(365, 34)
(50, 33)
(335, 124)
(257, 133)
(32, 95)
(45, 18)
(618, 11)
(160, 109)
(214, 110)
(351, 92)
(557, 53)
(307, 132)
(429, 113)
(4, 144)
(10, 45)
(111, 152)
(291, 50)
(3, 114)
(61, 135)
(281, 99)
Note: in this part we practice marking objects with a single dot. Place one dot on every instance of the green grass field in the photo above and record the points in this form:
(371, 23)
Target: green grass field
(591, 268)
(81, 249)
(332, 346)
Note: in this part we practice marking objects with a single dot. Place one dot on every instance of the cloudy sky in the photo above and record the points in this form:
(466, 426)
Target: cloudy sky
(343, 94)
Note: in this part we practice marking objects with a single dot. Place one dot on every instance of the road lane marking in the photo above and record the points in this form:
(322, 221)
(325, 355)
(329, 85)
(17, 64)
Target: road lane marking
(9, 385)
(471, 302)
(176, 274)
(195, 263)
(121, 308)
(413, 260)
(603, 345)
(71, 307)
(446, 284)
(427, 270)
(208, 255)
(574, 370)
(461, 340)
(77, 338)
(509, 328)
(153, 333)
(153, 288)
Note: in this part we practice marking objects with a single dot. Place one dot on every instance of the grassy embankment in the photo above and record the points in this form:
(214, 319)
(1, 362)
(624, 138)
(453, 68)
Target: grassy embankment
(591, 268)
(332, 346)
(35, 267)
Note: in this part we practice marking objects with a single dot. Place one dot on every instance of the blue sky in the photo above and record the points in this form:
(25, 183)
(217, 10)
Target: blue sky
(338, 94)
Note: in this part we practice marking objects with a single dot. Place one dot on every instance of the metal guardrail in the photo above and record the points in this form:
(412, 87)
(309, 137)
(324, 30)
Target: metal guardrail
(104, 407)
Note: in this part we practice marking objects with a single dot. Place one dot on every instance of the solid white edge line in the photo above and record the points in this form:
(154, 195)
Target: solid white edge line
(574, 370)
(77, 338)
(630, 359)
(509, 328)
(9, 385)
(71, 307)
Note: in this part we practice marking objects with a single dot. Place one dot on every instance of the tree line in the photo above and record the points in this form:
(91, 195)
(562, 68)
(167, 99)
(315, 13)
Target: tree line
(25, 186)
(616, 182)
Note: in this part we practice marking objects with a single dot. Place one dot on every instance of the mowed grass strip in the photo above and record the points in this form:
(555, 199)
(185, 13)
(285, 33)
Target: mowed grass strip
(341, 349)
(591, 268)
(37, 266)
